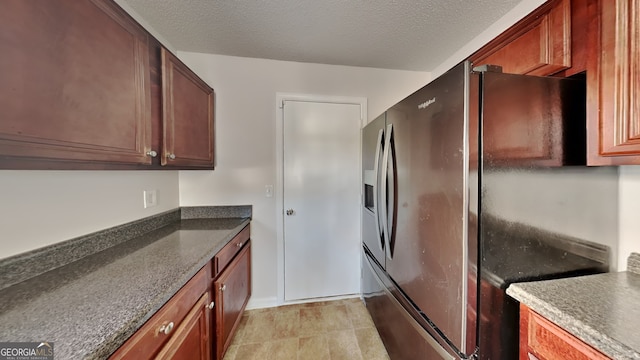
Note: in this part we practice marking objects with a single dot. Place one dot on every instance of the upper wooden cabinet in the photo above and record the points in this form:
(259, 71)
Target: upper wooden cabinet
(84, 86)
(613, 83)
(187, 119)
(538, 45)
(75, 84)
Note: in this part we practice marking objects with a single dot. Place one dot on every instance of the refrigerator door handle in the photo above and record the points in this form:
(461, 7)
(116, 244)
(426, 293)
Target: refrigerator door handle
(387, 195)
(376, 188)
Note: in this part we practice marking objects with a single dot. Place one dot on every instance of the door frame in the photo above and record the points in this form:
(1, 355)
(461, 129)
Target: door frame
(279, 188)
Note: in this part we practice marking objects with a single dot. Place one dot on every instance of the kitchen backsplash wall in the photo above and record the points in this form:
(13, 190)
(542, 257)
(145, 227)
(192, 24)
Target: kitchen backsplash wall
(580, 202)
(246, 134)
(39, 208)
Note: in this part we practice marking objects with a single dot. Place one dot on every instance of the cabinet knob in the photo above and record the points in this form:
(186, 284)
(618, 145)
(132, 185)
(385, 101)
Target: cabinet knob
(171, 156)
(239, 244)
(152, 153)
(210, 306)
(166, 328)
(223, 287)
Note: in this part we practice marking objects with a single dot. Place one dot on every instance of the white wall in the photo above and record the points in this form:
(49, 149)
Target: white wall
(246, 131)
(629, 234)
(629, 176)
(137, 17)
(39, 208)
(580, 202)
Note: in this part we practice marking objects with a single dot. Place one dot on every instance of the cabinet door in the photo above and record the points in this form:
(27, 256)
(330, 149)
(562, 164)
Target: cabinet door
(187, 117)
(613, 81)
(75, 84)
(543, 340)
(232, 290)
(538, 45)
(191, 340)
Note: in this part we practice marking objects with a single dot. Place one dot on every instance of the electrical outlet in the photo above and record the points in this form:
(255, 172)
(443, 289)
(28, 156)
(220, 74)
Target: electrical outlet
(150, 198)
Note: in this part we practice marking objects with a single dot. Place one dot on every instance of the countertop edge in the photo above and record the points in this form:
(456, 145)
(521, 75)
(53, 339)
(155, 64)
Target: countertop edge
(108, 347)
(573, 325)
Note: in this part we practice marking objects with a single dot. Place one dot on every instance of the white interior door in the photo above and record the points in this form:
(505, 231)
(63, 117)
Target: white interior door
(321, 199)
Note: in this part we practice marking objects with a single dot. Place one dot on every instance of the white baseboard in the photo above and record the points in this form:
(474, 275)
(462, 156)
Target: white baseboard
(260, 303)
(328, 298)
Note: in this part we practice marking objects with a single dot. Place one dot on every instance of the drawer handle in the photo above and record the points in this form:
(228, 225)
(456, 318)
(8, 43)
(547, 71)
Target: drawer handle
(210, 306)
(171, 156)
(223, 287)
(166, 328)
(239, 244)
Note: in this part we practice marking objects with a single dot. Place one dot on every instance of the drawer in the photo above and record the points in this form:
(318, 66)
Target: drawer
(148, 340)
(547, 341)
(229, 251)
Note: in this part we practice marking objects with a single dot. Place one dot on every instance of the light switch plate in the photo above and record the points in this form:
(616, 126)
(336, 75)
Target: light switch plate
(150, 198)
(268, 190)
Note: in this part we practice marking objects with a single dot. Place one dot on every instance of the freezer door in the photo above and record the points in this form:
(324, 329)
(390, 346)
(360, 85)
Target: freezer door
(402, 335)
(427, 202)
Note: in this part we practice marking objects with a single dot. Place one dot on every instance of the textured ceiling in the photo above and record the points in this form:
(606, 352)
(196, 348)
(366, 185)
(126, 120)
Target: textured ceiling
(391, 34)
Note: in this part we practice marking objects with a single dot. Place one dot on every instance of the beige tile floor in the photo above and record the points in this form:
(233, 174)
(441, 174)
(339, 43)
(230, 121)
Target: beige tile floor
(329, 330)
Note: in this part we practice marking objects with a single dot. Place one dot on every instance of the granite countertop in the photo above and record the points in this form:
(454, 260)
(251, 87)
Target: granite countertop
(89, 307)
(533, 261)
(534, 254)
(602, 310)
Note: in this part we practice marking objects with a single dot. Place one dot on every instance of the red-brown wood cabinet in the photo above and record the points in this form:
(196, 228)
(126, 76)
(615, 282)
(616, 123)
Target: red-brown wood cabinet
(179, 322)
(597, 38)
(82, 88)
(613, 83)
(232, 290)
(543, 340)
(199, 321)
(540, 44)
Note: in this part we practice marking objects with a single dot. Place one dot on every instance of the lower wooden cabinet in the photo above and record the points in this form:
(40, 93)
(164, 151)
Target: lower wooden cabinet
(543, 340)
(232, 290)
(191, 340)
(179, 329)
(199, 321)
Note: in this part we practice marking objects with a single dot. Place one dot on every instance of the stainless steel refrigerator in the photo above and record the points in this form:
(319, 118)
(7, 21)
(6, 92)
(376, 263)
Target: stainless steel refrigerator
(436, 255)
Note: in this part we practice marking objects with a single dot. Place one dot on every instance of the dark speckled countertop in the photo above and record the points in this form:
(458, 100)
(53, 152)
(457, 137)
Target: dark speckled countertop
(89, 307)
(602, 310)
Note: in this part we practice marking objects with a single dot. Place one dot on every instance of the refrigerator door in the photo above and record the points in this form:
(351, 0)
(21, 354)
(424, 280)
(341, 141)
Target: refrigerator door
(428, 202)
(403, 337)
(372, 153)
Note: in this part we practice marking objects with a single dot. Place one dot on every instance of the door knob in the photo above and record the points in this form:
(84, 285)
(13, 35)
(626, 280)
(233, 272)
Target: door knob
(290, 212)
